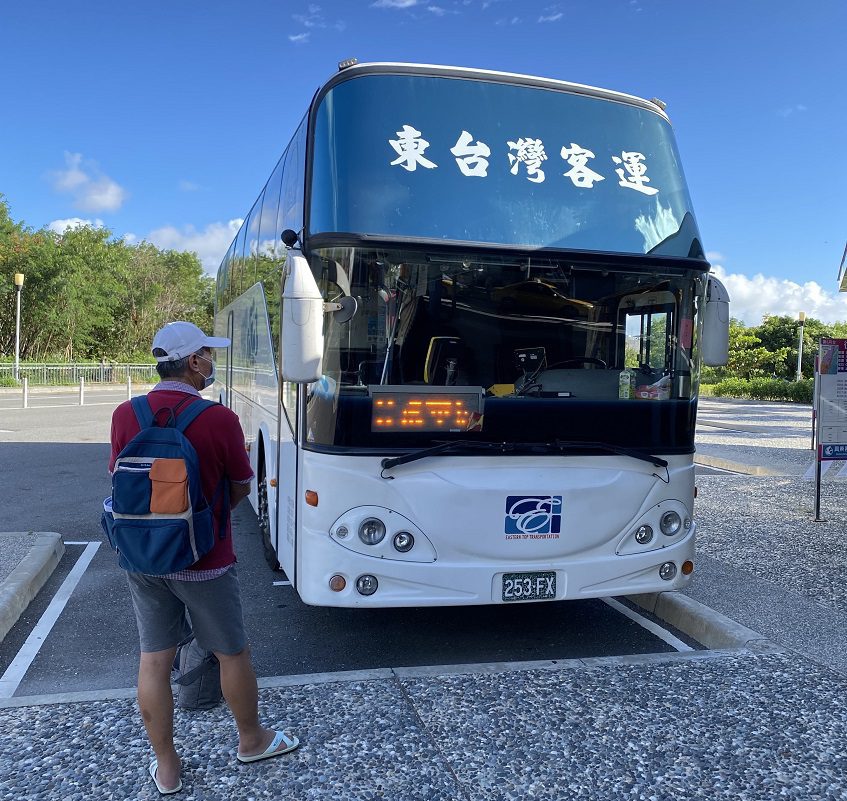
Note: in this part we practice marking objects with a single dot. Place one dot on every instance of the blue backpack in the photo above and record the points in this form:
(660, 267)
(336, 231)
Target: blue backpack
(157, 518)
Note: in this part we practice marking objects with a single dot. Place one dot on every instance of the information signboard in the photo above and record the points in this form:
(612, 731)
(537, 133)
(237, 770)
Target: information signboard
(832, 400)
(830, 408)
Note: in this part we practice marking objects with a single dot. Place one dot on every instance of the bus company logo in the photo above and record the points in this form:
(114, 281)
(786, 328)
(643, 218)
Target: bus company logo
(533, 516)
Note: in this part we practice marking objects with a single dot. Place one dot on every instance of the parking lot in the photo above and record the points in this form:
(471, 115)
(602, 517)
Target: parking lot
(539, 701)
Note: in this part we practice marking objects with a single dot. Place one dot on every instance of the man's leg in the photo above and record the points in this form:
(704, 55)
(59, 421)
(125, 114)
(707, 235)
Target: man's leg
(156, 703)
(238, 683)
(218, 622)
(160, 616)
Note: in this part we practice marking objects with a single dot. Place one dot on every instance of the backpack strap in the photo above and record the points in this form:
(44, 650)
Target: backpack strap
(183, 420)
(143, 411)
(222, 490)
(187, 416)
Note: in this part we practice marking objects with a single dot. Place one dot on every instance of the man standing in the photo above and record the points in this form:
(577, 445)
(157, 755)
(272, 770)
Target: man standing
(208, 590)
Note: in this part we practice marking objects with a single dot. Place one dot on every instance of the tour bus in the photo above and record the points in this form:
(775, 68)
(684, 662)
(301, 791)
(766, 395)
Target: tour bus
(468, 314)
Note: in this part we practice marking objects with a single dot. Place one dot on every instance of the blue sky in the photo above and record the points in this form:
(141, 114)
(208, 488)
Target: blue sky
(162, 120)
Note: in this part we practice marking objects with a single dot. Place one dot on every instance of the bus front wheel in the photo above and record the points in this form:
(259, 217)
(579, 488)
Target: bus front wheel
(263, 515)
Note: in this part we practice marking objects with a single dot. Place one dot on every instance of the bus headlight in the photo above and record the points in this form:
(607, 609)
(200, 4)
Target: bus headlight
(366, 585)
(372, 531)
(643, 534)
(667, 571)
(670, 523)
(404, 541)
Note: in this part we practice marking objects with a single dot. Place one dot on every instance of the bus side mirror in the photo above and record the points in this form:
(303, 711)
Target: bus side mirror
(715, 345)
(302, 322)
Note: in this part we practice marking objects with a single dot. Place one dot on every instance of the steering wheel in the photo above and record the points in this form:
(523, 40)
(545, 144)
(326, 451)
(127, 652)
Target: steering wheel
(579, 360)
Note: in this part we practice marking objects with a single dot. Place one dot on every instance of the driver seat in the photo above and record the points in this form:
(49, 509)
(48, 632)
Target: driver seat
(443, 358)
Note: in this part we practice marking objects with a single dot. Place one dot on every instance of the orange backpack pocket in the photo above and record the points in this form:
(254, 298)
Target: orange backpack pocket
(169, 480)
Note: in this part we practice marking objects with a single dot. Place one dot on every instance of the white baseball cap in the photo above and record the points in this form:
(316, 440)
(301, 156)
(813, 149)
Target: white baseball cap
(181, 339)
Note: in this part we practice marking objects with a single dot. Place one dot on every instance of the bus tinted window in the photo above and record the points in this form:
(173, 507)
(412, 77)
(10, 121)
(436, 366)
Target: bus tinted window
(476, 161)
(236, 266)
(542, 343)
(251, 244)
(293, 182)
(271, 254)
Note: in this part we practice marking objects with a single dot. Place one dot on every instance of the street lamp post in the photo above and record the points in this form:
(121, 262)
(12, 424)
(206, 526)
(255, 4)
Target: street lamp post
(802, 320)
(19, 285)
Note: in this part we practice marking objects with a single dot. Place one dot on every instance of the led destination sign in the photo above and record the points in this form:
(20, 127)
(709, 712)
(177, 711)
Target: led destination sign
(396, 409)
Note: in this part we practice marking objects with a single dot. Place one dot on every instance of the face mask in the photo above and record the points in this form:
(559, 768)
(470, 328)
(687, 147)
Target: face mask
(208, 380)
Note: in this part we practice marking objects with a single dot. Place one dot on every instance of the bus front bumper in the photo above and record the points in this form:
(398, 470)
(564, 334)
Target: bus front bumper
(403, 583)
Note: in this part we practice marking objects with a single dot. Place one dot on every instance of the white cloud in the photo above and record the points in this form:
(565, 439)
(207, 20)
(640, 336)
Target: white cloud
(91, 189)
(396, 3)
(188, 186)
(60, 226)
(210, 244)
(437, 10)
(787, 111)
(299, 38)
(750, 299)
(313, 18)
(552, 17)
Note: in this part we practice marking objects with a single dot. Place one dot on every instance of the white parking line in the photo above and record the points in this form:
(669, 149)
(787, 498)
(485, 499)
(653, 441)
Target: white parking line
(652, 627)
(14, 674)
(282, 584)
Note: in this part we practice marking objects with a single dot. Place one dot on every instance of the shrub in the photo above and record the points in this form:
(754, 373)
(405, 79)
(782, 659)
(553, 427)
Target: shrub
(774, 389)
(732, 388)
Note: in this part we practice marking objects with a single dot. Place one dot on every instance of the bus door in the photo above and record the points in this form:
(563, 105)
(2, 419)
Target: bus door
(646, 341)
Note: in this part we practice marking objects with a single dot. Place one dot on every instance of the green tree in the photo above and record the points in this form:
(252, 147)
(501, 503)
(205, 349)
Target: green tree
(782, 333)
(89, 296)
(748, 358)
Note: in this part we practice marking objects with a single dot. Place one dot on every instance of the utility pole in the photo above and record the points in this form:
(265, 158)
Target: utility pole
(19, 285)
(802, 317)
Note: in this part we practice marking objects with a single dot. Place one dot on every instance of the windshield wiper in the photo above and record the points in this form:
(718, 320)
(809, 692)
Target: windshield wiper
(559, 446)
(605, 446)
(444, 447)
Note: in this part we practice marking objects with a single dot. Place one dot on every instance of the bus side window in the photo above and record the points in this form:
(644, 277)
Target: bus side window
(271, 254)
(236, 266)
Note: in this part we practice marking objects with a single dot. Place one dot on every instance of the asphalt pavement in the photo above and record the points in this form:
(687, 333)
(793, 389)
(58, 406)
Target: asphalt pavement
(759, 715)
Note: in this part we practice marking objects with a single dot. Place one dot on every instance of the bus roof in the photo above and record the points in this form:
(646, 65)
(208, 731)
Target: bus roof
(440, 70)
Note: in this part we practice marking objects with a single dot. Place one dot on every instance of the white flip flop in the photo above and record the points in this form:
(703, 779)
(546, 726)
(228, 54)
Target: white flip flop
(154, 766)
(291, 742)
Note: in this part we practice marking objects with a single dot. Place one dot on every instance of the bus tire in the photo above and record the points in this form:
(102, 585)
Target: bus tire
(263, 516)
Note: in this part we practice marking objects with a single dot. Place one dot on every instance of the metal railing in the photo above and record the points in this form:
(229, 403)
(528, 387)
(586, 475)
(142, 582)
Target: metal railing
(57, 375)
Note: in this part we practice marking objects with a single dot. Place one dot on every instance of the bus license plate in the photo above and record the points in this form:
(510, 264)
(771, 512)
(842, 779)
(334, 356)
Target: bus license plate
(529, 586)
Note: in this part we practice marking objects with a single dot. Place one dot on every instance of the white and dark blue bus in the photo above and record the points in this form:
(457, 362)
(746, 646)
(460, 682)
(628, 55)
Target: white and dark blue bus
(468, 314)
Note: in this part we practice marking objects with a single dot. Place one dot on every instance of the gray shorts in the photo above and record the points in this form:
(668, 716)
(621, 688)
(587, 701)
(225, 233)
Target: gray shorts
(213, 606)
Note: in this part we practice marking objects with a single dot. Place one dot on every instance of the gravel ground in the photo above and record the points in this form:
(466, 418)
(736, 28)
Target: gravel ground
(14, 546)
(727, 727)
(765, 526)
(762, 558)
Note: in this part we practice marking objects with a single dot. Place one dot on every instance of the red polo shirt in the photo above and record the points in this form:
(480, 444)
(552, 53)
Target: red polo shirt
(218, 439)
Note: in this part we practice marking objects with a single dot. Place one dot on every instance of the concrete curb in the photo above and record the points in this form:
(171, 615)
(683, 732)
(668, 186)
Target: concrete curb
(24, 582)
(700, 622)
(736, 467)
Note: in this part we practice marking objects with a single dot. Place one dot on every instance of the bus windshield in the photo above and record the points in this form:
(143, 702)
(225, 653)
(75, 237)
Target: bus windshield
(500, 348)
(420, 157)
